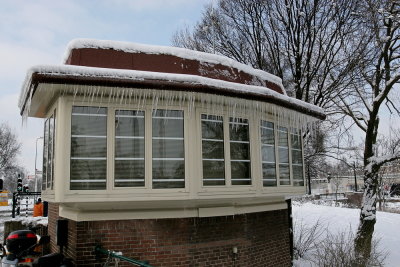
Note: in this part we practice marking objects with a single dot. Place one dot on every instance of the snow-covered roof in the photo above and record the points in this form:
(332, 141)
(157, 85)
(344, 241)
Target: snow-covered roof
(166, 50)
(65, 73)
(100, 62)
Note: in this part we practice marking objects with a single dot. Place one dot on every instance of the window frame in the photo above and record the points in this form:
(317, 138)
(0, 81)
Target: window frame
(227, 152)
(110, 178)
(49, 163)
(192, 144)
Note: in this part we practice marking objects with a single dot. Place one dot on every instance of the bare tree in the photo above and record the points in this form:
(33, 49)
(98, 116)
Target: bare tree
(304, 42)
(9, 148)
(378, 73)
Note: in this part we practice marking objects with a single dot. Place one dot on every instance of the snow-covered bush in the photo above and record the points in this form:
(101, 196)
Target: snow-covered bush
(316, 246)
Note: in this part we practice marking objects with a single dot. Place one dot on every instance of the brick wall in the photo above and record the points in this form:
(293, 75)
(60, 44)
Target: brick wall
(262, 239)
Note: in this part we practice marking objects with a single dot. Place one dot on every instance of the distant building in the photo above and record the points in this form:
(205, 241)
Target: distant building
(169, 155)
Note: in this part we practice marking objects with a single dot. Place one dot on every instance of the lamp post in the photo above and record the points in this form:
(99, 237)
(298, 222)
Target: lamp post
(35, 163)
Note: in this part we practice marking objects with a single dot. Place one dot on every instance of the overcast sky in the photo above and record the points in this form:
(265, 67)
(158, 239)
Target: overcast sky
(37, 32)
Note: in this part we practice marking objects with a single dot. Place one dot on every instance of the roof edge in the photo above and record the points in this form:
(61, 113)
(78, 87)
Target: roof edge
(69, 75)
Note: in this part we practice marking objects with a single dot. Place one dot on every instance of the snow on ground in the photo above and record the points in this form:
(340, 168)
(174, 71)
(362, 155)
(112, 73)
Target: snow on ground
(337, 219)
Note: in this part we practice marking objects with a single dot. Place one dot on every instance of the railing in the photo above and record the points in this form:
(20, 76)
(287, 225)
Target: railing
(113, 254)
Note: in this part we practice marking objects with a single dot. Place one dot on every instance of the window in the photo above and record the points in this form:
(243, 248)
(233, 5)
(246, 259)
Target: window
(297, 158)
(45, 154)
(268, 153)
(239, 151)
(88, 163)
(129, 168)
(212, 132)
(168, 149)
(48, 153)
(283, 156)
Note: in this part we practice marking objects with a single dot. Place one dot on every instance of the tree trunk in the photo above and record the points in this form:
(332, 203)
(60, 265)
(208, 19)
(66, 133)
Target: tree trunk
(363, 240)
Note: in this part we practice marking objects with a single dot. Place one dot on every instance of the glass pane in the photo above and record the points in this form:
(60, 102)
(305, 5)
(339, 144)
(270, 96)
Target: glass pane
(298, 175)
(296, 141)
(45, 154)
(88, 147)
(88, 186)
(168, 173)
(213, 172)
(283, 155)
(212, 130)
(267, 124)
(168, 123)
(267, 136)
(282, 137)
(240, 172)
(239, 132)
(168, 113)
(129, 123)
(214, 169)
(129, 168)
(82, 125)
(268, 153)
(297, 157)
(284, 174)
(240, 151)
(50, 152)
(167, 127)
(88, 174)
(53, 150)
(213, 150)
(166, 148)
(129, 148)
(89, 110)
(269, 174)
(129, 173)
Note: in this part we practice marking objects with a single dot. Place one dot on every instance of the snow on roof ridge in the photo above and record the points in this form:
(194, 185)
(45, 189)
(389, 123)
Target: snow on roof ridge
(84, 71)
(168, 50)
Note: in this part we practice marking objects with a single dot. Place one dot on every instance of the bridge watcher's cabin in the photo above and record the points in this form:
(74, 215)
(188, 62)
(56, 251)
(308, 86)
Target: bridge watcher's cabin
(166, 151)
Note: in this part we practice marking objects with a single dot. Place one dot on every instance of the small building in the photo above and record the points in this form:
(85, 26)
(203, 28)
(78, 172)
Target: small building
(173, 156)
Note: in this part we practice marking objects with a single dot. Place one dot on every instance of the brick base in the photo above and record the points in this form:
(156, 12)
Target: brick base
(262, 239)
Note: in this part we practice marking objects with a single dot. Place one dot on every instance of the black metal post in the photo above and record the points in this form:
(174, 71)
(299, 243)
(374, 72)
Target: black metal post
(290, 221)
(309, 179)
(355, 177)
(14, 200)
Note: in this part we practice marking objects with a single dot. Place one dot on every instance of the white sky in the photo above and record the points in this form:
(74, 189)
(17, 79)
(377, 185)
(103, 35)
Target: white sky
(37, 32)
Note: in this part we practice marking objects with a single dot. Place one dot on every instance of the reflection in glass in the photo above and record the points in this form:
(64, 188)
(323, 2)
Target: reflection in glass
(283, 154)
(88, 148)
(129, 167)
(45, 154)
(168, 149)
(297, 158)
(239, 151)
(212, 130)
(268, 153)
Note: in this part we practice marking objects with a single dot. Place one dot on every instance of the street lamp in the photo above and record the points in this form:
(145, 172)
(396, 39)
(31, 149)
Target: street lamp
(35, 163)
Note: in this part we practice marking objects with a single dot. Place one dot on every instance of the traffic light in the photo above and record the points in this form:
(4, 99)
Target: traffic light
(19, 183)
(25, 189)
(1, 184)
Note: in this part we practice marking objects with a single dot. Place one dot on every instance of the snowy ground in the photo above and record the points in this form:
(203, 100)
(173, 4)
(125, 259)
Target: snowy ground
(337, 219)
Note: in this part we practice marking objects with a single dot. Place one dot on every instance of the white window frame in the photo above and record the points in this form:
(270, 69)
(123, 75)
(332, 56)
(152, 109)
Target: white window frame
(227, 158)
(110, 183)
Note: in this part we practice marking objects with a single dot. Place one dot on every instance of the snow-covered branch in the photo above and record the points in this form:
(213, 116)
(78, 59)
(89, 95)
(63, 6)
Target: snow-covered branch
(381, 160)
